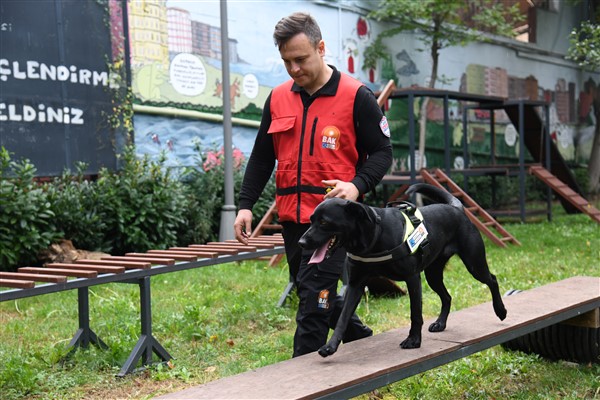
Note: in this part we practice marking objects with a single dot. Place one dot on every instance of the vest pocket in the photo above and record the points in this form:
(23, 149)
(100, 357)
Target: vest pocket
(282, 124)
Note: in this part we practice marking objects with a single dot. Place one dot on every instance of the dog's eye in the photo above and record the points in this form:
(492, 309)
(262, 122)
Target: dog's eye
(323, 222)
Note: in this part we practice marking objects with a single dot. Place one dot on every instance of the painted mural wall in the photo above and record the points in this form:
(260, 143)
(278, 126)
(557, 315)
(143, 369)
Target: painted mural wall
(176, 63)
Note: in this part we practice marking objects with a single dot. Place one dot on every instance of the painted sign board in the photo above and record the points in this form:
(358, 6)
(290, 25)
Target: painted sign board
(56, 85)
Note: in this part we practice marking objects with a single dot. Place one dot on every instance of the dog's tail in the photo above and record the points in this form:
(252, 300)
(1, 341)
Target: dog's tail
(434, 193)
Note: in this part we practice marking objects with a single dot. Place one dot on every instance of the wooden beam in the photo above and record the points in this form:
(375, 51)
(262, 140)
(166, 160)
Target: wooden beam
(364, 365)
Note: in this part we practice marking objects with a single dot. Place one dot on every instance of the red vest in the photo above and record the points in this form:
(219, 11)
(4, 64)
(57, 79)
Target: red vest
(311, 145)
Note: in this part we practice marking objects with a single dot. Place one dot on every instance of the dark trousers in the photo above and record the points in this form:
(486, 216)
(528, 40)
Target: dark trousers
(316, 285)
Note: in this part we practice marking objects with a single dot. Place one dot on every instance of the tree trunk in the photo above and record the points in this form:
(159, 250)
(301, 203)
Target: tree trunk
(435, 47)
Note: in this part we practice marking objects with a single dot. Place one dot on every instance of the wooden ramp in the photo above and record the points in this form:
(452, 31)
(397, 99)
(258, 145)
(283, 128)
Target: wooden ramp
(481, 218)
(534, 133)
(370, 363)
(269, 223)
(565, 192)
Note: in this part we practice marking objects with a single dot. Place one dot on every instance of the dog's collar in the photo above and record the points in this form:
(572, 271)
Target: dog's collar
(413, 238)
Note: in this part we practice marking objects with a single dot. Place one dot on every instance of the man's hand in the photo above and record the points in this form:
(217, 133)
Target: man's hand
(341, 189)
(242, 226)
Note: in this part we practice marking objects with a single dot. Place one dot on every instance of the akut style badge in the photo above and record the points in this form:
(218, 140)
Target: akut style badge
(330, 137)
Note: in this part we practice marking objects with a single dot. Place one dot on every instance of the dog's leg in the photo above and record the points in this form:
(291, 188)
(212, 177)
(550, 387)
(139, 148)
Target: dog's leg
(473, 256)
(435, 278)
(497, 302)
(413, 341)
(352, 297)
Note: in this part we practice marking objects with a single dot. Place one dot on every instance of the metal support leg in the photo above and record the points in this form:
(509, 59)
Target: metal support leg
(286, 292)
(147, 344)
(84, 335)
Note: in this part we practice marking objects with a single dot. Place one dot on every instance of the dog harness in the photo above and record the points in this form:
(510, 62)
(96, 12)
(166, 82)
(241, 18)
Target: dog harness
(414, 241)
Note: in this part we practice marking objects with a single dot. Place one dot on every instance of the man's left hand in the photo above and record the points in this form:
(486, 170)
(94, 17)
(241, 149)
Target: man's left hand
(341, 189)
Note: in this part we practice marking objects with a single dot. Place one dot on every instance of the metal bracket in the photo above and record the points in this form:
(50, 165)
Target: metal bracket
(84, 335)
(146, 344)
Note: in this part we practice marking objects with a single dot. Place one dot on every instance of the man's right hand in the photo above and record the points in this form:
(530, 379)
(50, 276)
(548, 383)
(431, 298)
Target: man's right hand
(242, 226)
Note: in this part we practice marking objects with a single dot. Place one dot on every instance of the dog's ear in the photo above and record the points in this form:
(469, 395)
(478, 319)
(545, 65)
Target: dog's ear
(361, 211)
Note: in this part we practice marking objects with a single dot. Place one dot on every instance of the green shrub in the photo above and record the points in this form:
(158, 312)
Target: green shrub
(26, 217)
(143, 206)
(74, 201)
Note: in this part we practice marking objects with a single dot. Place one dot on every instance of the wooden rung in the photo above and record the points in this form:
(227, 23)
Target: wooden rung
(167, 254)
(258, 245)
(184, 255)
(33, 277)
(129, 262)
(265, 239)
(16, 283)
(272, 226)
(145, 261)
(240, 247)
(103, 269)
(118, 261)
(187, 250)
(207, 249)
(77, 273)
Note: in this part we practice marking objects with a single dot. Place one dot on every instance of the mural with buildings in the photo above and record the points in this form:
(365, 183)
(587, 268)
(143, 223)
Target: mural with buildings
(176, 60)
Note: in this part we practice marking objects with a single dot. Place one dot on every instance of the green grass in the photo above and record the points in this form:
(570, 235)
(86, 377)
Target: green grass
(223, 320)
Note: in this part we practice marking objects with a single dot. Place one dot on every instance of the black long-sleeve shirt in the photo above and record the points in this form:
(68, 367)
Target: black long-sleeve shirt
(371, 142)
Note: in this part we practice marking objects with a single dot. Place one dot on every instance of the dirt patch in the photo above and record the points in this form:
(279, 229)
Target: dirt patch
(65, 252)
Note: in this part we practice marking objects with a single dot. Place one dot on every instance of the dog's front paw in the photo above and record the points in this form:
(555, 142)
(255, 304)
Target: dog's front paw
(327, 350)
(411, 343)
(500, 311)
(437, 326)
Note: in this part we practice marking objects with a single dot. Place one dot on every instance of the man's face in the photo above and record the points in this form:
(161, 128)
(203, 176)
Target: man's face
(304, 62)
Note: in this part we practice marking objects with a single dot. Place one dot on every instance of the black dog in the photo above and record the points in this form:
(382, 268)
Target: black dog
(378, 245)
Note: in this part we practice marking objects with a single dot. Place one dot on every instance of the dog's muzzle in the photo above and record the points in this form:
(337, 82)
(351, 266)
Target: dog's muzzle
(323, 252)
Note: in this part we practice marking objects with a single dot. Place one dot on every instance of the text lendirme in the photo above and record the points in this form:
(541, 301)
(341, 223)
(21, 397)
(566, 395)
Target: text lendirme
(45, 72)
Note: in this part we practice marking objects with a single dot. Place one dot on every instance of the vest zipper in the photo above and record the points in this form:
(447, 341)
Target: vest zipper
(312, 136)
(299, 172)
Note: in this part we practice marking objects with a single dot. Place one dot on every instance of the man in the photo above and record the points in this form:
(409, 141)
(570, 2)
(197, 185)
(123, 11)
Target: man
(325, 130)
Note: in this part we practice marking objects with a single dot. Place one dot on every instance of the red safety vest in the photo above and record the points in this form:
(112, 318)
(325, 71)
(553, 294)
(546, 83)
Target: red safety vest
(311, 145)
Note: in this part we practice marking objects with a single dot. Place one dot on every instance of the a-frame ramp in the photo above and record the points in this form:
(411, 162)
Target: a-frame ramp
(534, 134)
(481, 218)
(565, 192)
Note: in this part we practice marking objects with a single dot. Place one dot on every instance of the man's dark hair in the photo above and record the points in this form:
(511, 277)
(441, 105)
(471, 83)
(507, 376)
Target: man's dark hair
(294, 24)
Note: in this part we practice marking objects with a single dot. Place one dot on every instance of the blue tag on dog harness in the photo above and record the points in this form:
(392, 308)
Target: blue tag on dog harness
(416, 237)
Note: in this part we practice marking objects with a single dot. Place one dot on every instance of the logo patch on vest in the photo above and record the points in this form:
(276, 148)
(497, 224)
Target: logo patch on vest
(385, 128)
(330, 137)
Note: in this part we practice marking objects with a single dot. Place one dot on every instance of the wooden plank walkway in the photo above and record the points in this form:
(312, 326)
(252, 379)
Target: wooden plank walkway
(367, 364)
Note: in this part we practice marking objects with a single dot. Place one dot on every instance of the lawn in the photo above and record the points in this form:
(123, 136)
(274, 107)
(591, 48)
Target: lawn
(222, 320)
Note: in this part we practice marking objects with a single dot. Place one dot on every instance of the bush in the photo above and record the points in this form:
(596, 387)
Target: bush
(143, 206)
(26, 225)
(74, 201)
